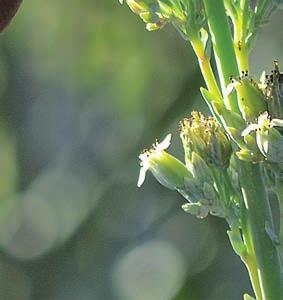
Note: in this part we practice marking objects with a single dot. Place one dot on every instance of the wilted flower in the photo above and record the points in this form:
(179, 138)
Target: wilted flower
(272, 87)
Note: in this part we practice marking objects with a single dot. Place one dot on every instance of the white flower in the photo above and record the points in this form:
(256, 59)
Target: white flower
(147, 157)
(268, 139)
(263, 122)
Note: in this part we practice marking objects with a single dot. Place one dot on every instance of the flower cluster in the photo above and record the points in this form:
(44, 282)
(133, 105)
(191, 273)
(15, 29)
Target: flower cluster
(157, 13)
(200, 181)
(205, 136)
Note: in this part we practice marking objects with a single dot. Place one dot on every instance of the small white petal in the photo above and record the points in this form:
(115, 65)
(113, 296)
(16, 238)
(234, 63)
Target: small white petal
(262, 77)
(229, 89)
(263, 119)
(143, 158)
(166, 142)
(277, 123)
(142, 176)
(249, 129)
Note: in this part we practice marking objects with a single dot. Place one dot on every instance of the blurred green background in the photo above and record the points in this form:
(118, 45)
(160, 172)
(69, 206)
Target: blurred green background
(83, 89)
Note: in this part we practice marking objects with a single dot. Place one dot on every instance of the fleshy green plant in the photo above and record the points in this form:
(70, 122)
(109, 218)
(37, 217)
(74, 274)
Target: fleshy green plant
(234, 159)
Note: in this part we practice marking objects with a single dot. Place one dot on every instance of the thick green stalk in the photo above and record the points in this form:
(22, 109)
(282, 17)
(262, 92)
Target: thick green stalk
(257, 218)
(262, 253)
(223, 47)
(279, 194)
(249, 257)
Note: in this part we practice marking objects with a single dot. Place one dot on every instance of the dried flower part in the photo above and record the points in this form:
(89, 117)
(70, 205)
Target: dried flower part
(8, 9)
(272, 87)
(207, 138)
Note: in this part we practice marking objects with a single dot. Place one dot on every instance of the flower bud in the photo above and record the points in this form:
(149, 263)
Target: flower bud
(251, 100)
(137, 7)
(207, 139)
(167, 169)
(197, 209)
(151, 12)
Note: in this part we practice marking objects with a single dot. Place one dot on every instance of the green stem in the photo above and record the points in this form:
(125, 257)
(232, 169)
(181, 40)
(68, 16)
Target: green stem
(241, 24)
(279, 194)
(257, 216)
(242, 55)
(248, 255)
(223, 48)
(249, 258)
(206, 69)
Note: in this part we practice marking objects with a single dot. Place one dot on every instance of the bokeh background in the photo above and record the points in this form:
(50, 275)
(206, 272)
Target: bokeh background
(84, 88)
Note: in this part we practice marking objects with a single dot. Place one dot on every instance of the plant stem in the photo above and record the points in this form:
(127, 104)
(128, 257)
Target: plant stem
(248, 255)
(249, 259)
(206, 69)
(279, 194)
(257, 216)
(241, 24)
(242, 57)
(223, 48)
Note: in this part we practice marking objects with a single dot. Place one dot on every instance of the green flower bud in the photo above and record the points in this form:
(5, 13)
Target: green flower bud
(165, 9)
(193, 189)
(197, 209)
(200, 170)
(203, 200)
(136, 6)
(251, 100)
(167, 169)
(206, 138)
(250, 156)
(153, 12)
